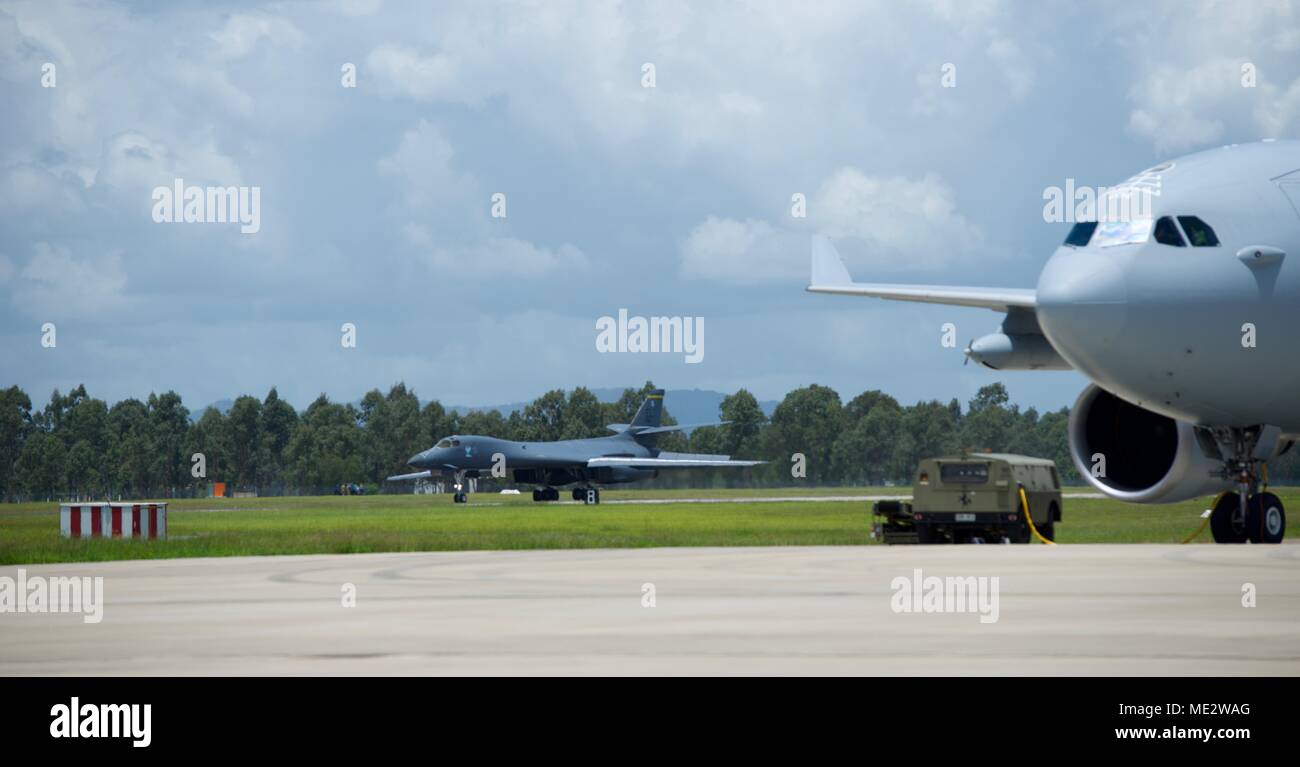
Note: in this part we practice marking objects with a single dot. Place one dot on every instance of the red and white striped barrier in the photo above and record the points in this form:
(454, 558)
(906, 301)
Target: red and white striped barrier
(113, 520)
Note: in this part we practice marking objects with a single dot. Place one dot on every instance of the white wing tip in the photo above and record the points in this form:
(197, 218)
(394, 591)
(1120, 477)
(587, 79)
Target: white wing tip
(827, 267)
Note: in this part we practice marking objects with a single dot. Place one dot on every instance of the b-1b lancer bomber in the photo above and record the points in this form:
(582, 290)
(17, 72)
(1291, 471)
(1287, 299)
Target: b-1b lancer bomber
(629, 455)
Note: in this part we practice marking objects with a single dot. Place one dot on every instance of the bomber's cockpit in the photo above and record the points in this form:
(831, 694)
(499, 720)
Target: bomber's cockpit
(447, 442)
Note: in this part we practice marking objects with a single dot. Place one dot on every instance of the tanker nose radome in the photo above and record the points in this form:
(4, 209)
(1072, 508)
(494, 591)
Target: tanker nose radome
(1082, 305)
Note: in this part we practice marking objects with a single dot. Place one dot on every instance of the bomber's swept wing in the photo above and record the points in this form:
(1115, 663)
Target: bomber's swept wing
(666, 460)
(829, 275)
(640, 431)
(412, 475)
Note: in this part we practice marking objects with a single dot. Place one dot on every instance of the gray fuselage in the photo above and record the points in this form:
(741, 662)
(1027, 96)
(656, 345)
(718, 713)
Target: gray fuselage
(1171, 328)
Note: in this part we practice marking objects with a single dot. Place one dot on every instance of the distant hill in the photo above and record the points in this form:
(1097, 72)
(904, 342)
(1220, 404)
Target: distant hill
(686, 405)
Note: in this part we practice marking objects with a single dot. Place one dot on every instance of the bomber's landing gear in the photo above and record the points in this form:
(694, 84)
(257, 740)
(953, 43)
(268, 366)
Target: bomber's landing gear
(588, 495)
(1252, 513)
(546, 494)
(458, 484)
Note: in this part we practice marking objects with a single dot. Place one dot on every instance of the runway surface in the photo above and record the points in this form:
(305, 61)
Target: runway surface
(1082, 609)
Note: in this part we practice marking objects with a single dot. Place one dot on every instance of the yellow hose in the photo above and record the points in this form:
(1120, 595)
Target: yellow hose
(1024, 504)
(1201, 529)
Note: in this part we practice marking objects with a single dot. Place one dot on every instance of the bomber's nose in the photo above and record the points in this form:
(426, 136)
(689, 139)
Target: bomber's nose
(1082, 304)
(418, 459)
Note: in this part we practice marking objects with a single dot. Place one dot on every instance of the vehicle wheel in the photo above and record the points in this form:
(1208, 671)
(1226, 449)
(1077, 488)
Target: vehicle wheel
(1226, 522)
(577, 494)
(1265, 519)
(923, 534)
(537, 495)
(1048, 531)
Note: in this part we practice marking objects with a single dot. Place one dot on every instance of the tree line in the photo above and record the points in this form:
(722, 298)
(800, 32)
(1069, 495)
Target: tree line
(80, 446)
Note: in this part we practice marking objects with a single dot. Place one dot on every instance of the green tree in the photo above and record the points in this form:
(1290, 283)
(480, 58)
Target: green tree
(210, 437)
(245, 418)
(130, 452)
(40, 465)
(740, 437)
(325, 449)
(582, 416)
(81, 470)
(544, 417)
(989, 424)
(169, 423)
(275, 428)
(808, 421)
(15, 425)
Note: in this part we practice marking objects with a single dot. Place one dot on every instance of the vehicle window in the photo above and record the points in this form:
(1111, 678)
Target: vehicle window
(1112, 233)
(443, 443)
(1080, 233)
(1167, 233)
(964, 473)
(1199, 232)
(455, 443)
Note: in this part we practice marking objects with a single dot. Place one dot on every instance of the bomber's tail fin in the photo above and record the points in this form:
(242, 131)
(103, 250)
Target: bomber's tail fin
(650, 413)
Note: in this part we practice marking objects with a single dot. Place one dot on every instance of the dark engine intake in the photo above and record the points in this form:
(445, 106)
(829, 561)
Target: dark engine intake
(1146, 457)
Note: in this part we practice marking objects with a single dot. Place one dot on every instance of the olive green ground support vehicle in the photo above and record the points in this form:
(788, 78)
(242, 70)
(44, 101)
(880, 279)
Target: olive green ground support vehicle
(974, 498)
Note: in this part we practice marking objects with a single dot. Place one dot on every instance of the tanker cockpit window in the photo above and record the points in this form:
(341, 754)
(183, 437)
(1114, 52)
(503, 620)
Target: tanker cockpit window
(1080, 233)
(1199, 232)
(964, 473)
(1167, 233)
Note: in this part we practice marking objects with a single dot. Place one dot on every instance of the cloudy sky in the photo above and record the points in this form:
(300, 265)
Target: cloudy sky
(672, 200)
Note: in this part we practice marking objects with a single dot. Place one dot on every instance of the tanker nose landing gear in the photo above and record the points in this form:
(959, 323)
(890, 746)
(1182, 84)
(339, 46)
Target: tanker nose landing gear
(1252, 513)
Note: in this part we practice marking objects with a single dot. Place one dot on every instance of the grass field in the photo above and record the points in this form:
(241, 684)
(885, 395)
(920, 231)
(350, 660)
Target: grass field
(29, 533)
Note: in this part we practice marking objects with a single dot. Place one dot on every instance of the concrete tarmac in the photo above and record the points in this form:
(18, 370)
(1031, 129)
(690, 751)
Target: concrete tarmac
(1080, 609)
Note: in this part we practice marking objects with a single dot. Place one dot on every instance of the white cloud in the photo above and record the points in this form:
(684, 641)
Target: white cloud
(358, 7)
(54, 284)
(399, 70)
(743, 252)
(137, 163)
(503, 257)
(242, 32)
(913, 220)
(1191, 90)
(902, 221)
(29, 189)
(451, 231)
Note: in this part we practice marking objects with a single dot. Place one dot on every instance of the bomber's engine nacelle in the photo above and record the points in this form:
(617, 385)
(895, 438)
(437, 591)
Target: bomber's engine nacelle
(1133, 454)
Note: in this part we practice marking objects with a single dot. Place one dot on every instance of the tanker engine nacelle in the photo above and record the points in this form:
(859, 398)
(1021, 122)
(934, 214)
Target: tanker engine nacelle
(1020, 345)
(1133, 454)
